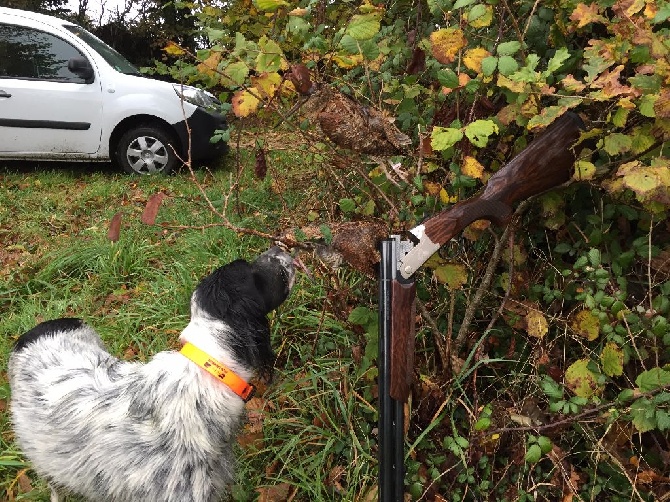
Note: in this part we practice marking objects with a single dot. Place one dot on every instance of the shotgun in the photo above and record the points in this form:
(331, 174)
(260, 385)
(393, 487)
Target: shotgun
(544, 164)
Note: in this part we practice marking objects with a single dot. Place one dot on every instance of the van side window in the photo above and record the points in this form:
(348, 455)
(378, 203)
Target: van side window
(33, 54)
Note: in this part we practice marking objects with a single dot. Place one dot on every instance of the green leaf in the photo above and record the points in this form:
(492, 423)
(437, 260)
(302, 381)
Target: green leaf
(361, 316)
(558, 59)
(533, 454)
(478, 132)
(327, 234)
(507, 65)
(347, 205)
(611, 359)
(617, 143)
(642, 412)
(482, 424)
(662, 420)
(269, 5)
(489, 65)
(653, 379)
(349, 44)
(448, 78)
(237, 72)
(552, 389)
(444, 137)
(370, 50)
(545, 444)
(509, 48)
(364, 26)
(270, 56)
(462, 3)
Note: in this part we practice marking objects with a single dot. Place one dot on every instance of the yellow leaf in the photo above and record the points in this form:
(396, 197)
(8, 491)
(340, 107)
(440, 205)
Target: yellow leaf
(267, 83)
(454, 275)
(298, 12)
(445, 198)
(585, 323)
(471, 167)
(432, 188)
(473, 58)
(173, 49)
(245, 103)
(209, 65)
(482, 18)
(513, 86)
(536, 324)
(446, 43)
(584, 170)
(586, 14)
(581, 380)
(347, 61)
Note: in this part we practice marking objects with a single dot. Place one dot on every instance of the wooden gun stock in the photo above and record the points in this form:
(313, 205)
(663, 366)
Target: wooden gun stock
(546, 163)
(403, 314)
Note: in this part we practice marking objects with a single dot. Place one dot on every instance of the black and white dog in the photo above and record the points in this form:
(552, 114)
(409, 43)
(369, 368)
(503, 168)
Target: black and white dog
(163, 431)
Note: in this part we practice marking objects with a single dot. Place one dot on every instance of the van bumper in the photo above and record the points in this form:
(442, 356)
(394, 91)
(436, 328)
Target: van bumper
(202, 124)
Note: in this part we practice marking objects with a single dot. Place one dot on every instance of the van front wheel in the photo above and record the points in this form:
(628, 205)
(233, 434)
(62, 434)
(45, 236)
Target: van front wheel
(146, 150)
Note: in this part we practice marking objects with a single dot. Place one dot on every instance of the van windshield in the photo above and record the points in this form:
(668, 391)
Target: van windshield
(116, 60)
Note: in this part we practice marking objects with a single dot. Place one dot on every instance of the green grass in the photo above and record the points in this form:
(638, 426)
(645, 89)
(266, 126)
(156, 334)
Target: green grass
(311, 434)
(57, 261)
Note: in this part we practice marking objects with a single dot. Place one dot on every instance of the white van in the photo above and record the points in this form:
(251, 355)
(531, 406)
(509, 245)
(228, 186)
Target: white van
(66, 95)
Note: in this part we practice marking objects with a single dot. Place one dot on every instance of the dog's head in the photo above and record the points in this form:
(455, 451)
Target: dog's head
(241, 294)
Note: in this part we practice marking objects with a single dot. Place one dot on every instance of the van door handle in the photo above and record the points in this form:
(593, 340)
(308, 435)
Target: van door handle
(4, 94)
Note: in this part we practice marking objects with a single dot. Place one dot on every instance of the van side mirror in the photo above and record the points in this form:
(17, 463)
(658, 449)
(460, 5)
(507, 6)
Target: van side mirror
(81, 67)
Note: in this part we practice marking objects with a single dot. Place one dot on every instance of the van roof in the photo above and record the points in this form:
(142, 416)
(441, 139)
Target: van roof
(33, 16)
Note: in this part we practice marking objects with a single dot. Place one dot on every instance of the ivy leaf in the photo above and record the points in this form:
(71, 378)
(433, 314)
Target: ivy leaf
(446, 43)
(444, 137)
(611, 359)
(478, 132)
(364, 26)
(653, 379)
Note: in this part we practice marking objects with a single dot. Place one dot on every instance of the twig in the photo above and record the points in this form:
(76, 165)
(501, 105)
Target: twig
(575, 418)
(487, 279)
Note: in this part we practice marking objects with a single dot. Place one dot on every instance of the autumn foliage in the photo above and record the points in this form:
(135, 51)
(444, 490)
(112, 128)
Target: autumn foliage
(580, 287)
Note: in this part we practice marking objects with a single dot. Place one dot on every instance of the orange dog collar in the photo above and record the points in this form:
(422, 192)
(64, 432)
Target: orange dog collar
(220, 371)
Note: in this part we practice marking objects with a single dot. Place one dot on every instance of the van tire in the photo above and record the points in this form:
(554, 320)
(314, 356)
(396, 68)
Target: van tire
(146, 150)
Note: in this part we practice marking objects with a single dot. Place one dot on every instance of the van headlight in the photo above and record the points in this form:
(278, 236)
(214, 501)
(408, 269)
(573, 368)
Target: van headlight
(196, 96)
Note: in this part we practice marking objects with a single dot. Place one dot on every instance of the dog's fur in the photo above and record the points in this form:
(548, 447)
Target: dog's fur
(120, 431)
